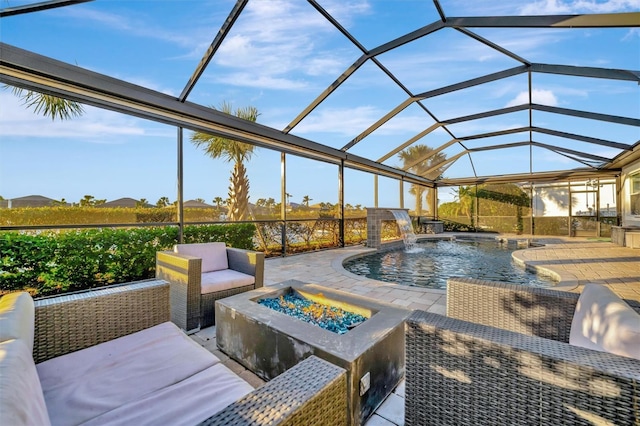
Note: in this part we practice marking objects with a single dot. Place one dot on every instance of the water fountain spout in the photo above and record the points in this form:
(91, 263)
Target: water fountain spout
(406, 228)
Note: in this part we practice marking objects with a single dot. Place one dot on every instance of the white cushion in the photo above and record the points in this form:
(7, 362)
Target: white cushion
(188, 402)
(88, 383)
(224, 280)
(604, 322)
(17, 318)
(21, 399)
(213, 255)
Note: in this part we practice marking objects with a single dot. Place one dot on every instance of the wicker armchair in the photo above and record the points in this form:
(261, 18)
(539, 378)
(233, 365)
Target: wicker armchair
(192, 309)
(501, 357)
(311, 393)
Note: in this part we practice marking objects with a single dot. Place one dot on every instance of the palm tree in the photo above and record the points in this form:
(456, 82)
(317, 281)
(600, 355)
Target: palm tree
(88, 200)
(418, 159)
(162, 202)
(306, 199)
(467, 202)
(48, 105)
(271, 204)
(232, 151)
(218, 202)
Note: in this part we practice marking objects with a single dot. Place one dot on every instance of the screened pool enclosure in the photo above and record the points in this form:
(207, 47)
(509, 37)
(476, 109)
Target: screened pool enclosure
(510, 117)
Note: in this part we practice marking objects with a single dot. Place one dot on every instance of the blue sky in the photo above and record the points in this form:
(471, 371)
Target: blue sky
(279, 57)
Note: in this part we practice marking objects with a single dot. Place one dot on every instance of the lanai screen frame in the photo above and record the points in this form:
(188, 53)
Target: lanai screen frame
(31, 71)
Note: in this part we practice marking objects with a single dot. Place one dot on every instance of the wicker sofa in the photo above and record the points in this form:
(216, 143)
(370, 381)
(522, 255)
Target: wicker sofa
(501, 357)
(110, 356)
(202, 273)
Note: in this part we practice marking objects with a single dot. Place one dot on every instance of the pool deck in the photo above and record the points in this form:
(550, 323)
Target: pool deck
(572, 261)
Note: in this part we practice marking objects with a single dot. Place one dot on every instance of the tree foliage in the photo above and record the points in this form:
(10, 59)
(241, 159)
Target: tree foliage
(232, 151)
(419, 159)
(57, 262)
(49, 105)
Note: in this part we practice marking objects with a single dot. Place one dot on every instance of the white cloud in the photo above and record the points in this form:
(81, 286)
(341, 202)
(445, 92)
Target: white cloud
(95, 125)
(293, 47)
(344, 11)
(402, 124)
(262, 81)
(341, 121)
(559, 7)
(631, 34)
(138, 26)
(543, 97)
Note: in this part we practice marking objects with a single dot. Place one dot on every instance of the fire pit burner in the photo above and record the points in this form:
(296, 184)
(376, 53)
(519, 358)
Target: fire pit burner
(328, 317)
(269, 342)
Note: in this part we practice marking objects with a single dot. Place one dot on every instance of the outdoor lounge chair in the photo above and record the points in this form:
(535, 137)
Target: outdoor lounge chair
(111, 356)
(501, 357)
(202, 273)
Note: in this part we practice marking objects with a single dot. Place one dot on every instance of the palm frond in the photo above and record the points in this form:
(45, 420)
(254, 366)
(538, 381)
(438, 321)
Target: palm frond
(49, 105)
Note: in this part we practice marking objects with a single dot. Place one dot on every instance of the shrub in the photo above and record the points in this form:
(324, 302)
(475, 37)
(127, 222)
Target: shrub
(55, 262)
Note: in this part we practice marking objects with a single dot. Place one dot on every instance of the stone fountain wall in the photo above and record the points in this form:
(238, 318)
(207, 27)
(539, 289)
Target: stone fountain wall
(375, 216)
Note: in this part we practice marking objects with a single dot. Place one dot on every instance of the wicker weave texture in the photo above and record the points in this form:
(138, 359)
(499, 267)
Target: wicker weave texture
(191, 310)
(183, 272)
(208, 300)
(247, 261)
(314, 392)
(461, 373)
(528, 310)
(72, 322)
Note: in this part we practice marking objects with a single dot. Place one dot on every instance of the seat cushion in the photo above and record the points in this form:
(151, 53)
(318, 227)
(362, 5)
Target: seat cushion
(213, 255)
(224, 280)
(88, 383)
(21, 398)
(604, 322)
(188, 402)
(17, 318)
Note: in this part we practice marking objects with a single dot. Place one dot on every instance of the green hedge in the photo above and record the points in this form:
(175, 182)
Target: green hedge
(59, 215)
(56, 262)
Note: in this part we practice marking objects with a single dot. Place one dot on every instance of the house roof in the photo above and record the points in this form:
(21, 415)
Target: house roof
(123, 202)
(28, 201)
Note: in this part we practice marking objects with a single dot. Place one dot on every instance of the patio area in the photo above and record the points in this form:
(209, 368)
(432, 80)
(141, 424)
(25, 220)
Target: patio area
(484, 117)
(574, 261)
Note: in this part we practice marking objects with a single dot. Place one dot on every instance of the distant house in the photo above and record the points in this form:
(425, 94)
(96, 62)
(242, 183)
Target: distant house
(124, 202)
(196, 204)
(28, 201)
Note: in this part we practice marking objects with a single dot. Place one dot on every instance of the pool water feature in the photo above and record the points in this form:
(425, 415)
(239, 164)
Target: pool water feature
(406, 228)
(431, 263)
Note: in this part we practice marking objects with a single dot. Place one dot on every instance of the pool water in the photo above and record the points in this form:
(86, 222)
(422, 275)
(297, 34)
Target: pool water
(431, 263)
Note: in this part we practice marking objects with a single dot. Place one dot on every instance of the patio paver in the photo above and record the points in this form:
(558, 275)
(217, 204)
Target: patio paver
(576, 261)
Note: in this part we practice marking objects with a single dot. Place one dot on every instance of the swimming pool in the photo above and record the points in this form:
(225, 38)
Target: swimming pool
(433, 262)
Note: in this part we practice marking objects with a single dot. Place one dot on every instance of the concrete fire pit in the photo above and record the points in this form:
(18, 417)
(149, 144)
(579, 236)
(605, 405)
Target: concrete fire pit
(269, 342)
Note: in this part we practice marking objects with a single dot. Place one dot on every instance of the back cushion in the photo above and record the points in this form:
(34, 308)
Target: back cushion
(17, 318)
(21, 398)
(604, 322)
(213, 255)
